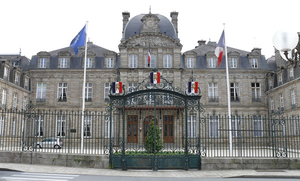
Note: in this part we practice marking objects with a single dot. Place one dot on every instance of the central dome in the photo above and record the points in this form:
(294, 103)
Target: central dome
(134, 26)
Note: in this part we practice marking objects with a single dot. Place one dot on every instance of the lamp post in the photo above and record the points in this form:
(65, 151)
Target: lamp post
(288, 45)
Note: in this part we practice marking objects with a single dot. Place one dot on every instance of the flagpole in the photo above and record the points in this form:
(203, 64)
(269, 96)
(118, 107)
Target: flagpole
(83, 89)
(228, 97)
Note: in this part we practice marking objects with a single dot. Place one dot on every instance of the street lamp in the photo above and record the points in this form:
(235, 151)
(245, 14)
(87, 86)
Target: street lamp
(288, 45)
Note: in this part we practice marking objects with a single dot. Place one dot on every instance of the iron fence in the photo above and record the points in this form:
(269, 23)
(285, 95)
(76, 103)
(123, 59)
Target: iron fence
(252, 136)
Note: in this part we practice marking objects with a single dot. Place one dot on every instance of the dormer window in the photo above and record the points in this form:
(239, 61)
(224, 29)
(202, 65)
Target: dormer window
(291, 73)
(63, 62)
(89, 63)
(232, 62)
(16, 78)
(254, 62)
(280, 78)
(5, 77)
(211, 62)
(26, 83)
(190, 63)
(43, 63)
(109, 62)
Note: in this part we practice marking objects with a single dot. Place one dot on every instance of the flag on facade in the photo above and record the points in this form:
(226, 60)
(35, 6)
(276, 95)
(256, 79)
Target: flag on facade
(193, 87)
(79, 40)
(155, 77)
(117, 87)
(149, 56)
(220, 48)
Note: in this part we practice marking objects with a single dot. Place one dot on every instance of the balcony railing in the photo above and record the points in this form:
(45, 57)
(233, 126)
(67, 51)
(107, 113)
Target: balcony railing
(88, 99)
(40, 99)
(62, 99)
(235, 99)
(256, 99)
(213, 99)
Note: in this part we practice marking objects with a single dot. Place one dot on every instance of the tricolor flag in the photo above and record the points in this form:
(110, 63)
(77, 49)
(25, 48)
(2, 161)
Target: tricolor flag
(155, 77)
(149, 56)
(117, 87)
(220, 48)
(79, 40)
(193, 87)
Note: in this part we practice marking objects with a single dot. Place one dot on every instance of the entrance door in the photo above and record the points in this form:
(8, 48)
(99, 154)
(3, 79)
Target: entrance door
(168, 128)
(132, 130)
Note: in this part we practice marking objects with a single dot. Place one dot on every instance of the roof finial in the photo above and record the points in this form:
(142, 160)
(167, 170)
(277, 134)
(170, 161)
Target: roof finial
(150, 9)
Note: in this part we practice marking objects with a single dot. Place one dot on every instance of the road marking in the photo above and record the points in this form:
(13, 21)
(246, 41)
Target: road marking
(28, 178)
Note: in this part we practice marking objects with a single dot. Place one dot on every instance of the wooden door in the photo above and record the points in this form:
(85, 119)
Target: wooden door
(168, 129)
(132, 129)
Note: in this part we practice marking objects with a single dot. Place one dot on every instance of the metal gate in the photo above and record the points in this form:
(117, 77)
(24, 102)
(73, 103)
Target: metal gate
(154, 126)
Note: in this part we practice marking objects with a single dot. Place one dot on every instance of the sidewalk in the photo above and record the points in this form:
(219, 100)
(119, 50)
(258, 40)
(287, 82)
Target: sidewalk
(150, 173)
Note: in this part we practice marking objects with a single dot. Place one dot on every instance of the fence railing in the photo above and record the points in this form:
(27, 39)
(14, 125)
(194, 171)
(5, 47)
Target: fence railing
(252, 136)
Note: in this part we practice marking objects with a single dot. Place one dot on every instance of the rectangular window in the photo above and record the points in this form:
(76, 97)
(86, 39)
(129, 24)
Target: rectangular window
(271, 83)
(63, 62)
(62, 92)
(43, 62)
(190, 62)
(24, 103)
(4, 99)
(106, 91)
(281, 101)
(89, 63)
(109, 62)
(88, 92)
(1, 126)
(213, 127)
(26, 83)
(167, 61)
(254, 63)
(5, 74)
(235, 126)
(132, 61)
(291, 73)
(293, 98)
(234, 92)
(213, 92)
(152, 61)
(41, 92)
(107, 128)
(61, 125)
(258, 126)
(212, 63)
(256, 94)
(16, 78)
(191, 126)
(15, 102)
(87, 126)
(272, 105)
(233, 62)
(296, 124)
(39, 125)
(280, 78)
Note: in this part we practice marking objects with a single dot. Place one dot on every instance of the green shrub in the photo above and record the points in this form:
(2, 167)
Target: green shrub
(150, 142)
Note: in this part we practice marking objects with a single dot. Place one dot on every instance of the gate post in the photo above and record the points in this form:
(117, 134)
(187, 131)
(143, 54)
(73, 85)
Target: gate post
(124, 164)
(186, 137)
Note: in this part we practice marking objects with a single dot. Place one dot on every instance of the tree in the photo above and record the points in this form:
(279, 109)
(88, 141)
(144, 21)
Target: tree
(149, 142)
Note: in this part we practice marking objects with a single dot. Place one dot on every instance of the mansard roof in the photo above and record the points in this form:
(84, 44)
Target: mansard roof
(134, 26)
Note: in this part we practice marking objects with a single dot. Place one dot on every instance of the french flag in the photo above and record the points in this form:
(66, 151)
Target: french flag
(117, 87)
(149, 56)
(193, 87)
(155, 77)
(220, 48)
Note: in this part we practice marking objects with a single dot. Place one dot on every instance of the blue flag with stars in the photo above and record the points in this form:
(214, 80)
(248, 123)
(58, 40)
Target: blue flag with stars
(79, 40)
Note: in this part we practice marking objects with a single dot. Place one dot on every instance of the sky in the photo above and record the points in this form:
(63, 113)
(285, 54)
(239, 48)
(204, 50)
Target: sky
(46, 25)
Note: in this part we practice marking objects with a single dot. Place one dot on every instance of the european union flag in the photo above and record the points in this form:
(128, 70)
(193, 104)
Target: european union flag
(79, 40)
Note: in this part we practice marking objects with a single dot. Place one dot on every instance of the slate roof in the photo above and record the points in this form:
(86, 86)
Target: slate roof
(134, 26)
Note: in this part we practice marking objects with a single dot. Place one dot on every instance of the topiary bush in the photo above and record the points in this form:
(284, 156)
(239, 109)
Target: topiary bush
(149, 142)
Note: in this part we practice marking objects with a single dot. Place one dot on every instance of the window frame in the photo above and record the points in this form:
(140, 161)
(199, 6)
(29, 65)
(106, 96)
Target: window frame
(106, 91)
(109, 62)
(39, 126)
(254, 63)
(236, 92)
(190, 62)
(212, 63)
(132, 63)
(63, 62)
(191, 125)
(88, 92)
(62, 92)
(256, 91)
(42, 95)
(232, 62)
(43, 62)
(257, 120)
(167, 61)
(61, 125)
(214, 121)
(213, 95)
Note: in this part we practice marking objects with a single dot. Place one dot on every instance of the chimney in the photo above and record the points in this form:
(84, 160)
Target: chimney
(174, 16)
(201, 42)
(126, 16)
